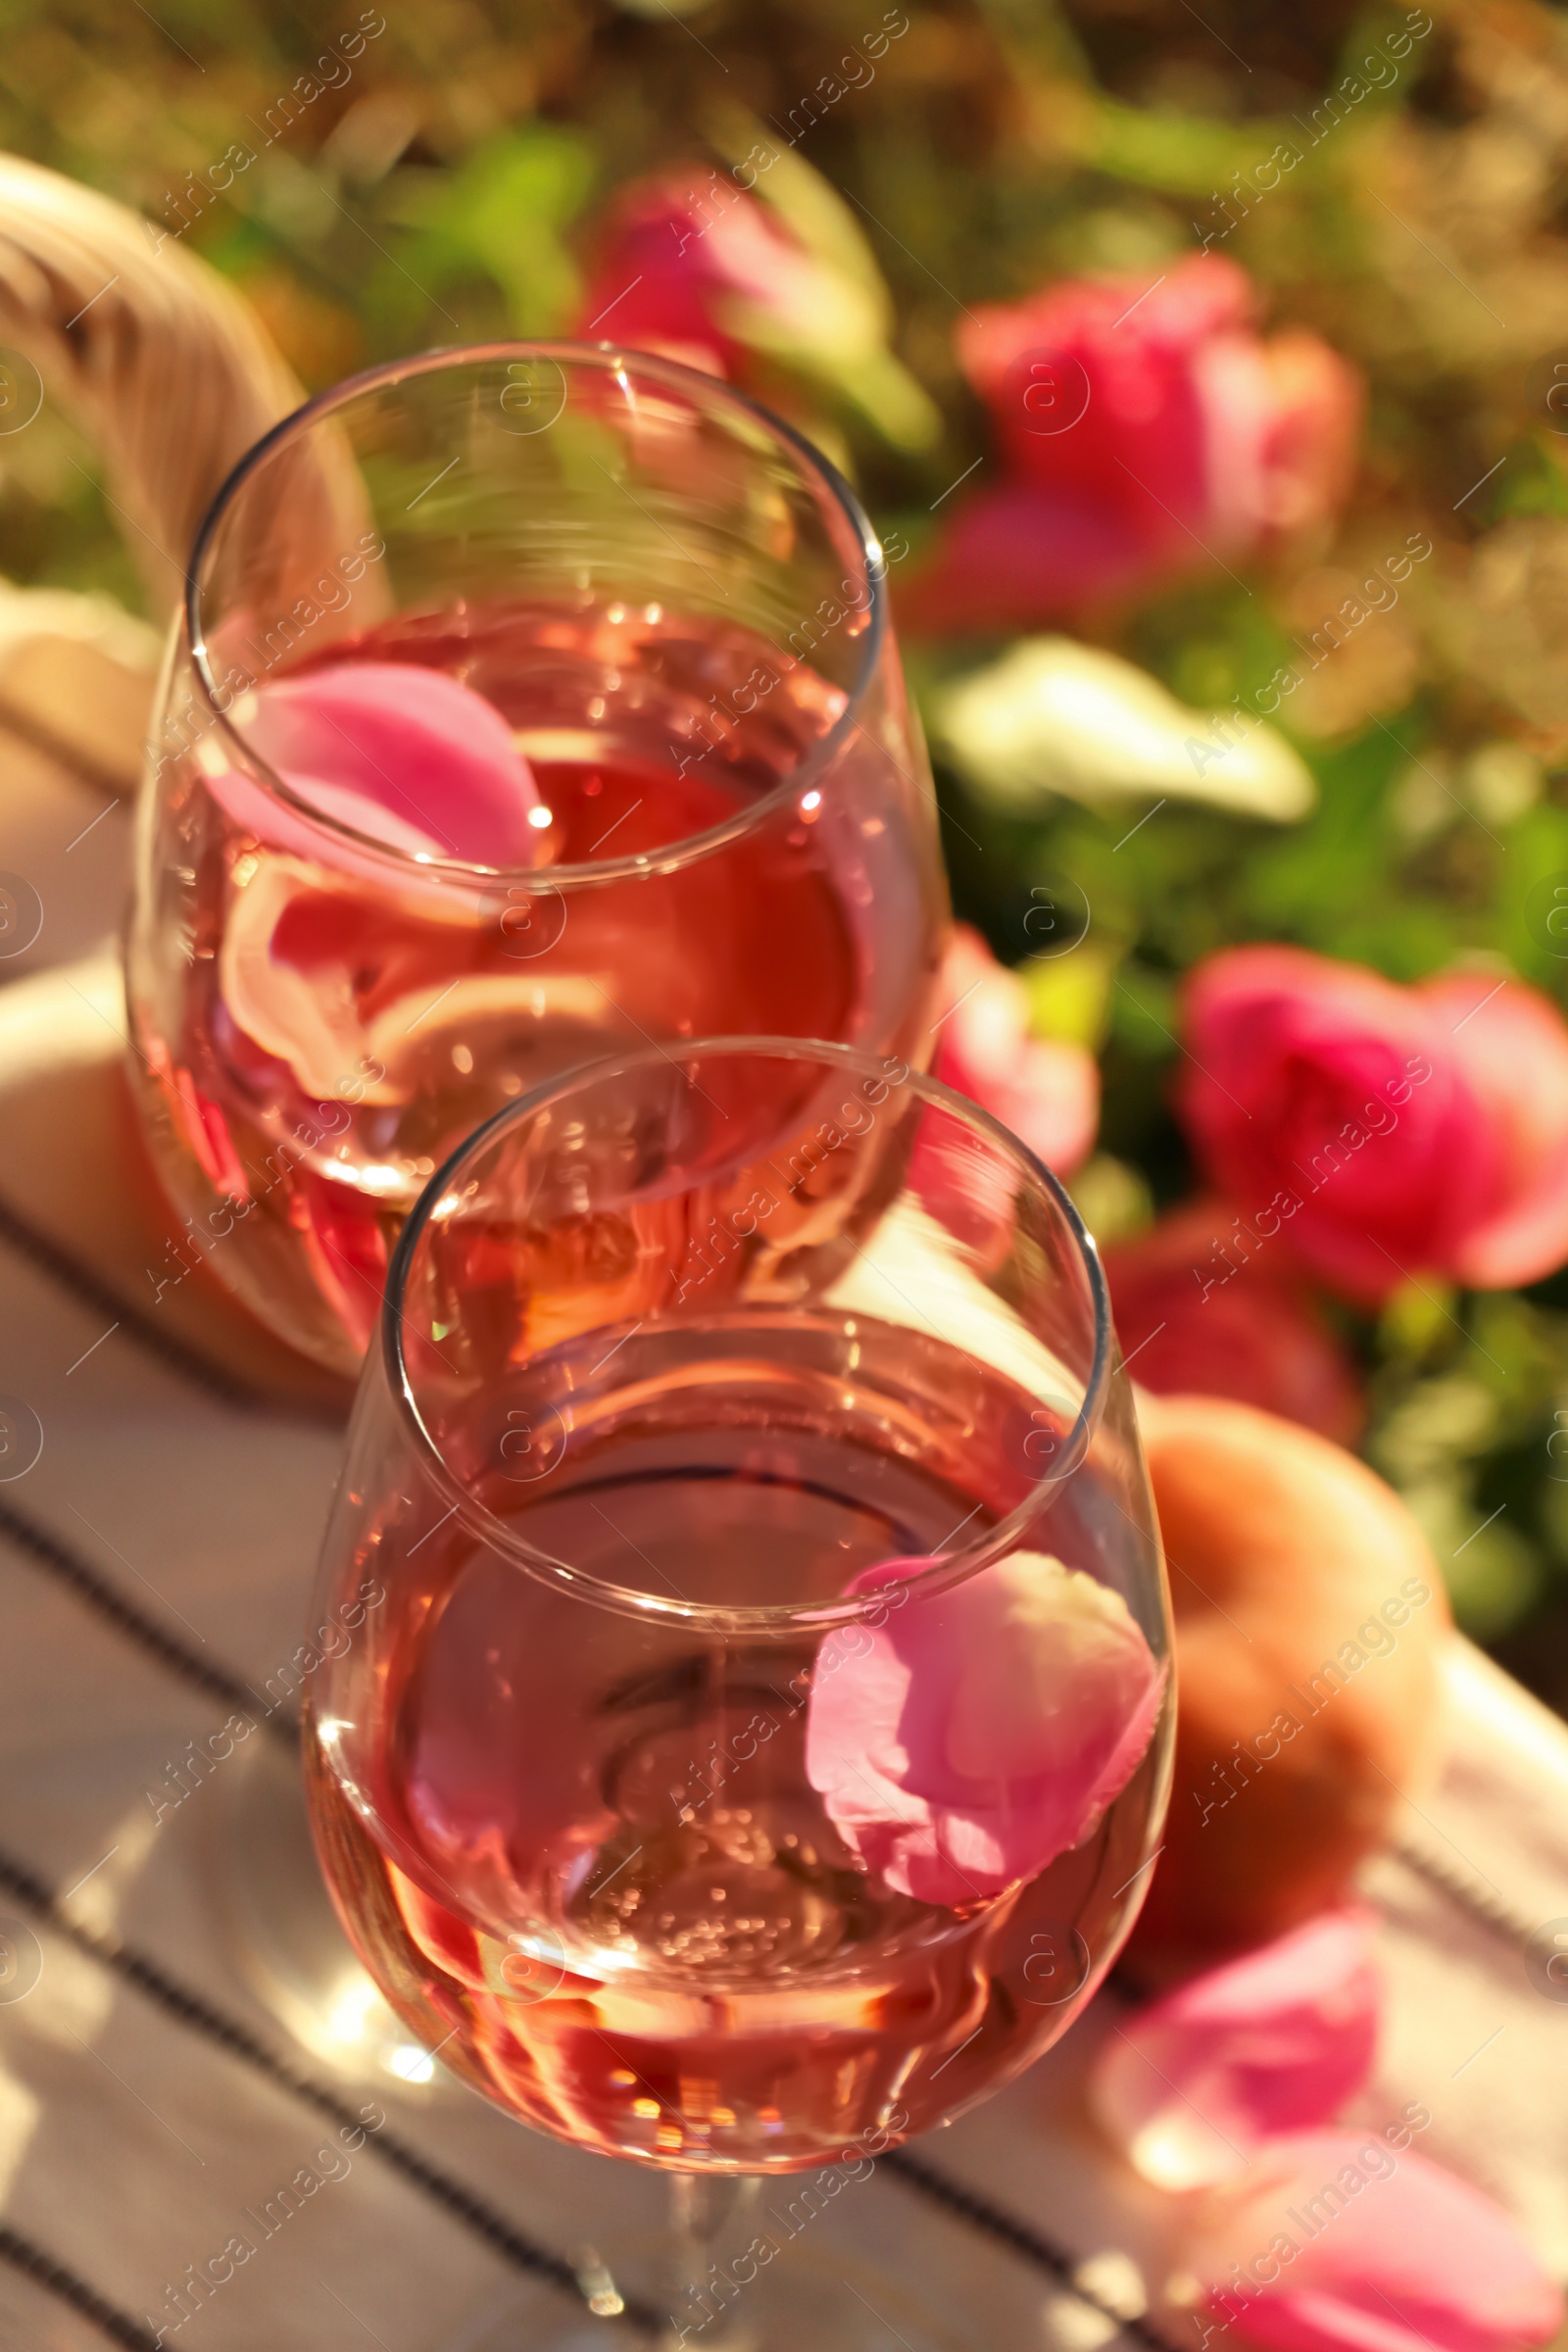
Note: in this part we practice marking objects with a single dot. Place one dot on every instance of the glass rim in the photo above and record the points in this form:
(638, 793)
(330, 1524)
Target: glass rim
(612, 359)
(779, 1618)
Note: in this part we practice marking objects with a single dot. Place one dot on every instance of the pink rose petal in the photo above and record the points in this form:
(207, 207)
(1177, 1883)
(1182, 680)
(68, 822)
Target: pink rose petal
(407, 755)
(325, 933)
(1346, 2241)
(976, 1733)
(1273, 2043)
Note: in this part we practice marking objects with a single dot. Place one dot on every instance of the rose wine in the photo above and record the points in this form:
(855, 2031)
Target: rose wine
(634, 1879)
(343, 1020)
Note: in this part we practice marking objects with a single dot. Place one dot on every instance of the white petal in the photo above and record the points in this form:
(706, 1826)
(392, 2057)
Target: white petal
(1053, 716)
(308, 1020)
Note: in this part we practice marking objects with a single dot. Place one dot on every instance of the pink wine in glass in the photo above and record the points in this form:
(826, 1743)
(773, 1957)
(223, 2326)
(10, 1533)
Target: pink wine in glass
(630, 1890)
(639, 734)
(598, 737)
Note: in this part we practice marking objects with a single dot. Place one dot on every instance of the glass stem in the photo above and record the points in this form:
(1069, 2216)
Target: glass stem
(707, 2303)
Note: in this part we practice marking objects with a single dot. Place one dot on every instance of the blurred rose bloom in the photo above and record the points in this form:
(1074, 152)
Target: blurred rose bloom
(1380, 1133)
(692, 266)
(1047, 1091)
(1203, 1311)
(1513, 1047)
(1144, 426)
(673, 272)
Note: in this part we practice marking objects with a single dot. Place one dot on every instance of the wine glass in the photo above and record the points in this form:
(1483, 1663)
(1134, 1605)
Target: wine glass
(748, 1722)
(528, 700)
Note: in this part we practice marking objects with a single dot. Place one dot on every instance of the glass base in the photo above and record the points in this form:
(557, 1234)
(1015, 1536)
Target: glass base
(803, 2301)
(281, 1931)
(531, 2318)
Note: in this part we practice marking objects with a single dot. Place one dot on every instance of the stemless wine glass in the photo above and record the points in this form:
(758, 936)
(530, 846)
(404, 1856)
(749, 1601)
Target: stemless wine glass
(749, 1714)
(528, 700)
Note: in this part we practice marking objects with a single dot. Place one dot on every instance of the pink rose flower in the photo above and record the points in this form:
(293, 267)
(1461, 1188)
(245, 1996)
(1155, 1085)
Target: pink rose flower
(1366, 1125)
(1512, 1045)
(1204, 1308)
(1350, 2241)
(972, 1735)
(692, 266)
(1143, 430)
(679, 273)
(1045, 1092)
(1271, 2043)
